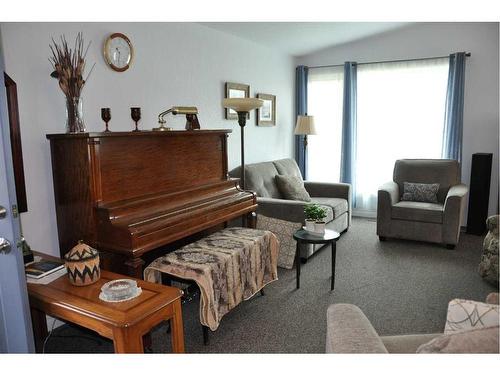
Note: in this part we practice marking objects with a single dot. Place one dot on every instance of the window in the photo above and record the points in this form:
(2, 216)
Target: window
(324, 96)
(400, 114)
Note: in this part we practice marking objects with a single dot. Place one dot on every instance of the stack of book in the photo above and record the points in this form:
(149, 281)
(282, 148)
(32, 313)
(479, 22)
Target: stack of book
(42, 268)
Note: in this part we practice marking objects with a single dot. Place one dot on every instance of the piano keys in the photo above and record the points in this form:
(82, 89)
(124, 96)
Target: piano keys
(129, 194)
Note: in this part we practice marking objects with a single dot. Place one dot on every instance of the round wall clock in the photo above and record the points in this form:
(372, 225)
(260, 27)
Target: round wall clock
(118, 52)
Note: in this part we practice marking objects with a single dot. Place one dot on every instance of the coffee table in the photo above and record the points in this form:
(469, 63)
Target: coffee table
(124, 322)
(304, 237)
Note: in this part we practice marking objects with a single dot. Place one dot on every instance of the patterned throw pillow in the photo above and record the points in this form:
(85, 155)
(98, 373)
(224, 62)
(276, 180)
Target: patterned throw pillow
(420, 192)
(464, 315)
(292, 187)
(284, 230)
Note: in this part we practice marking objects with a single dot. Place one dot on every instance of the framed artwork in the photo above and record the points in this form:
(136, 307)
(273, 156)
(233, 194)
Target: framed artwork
(266, 115)
(236, 90)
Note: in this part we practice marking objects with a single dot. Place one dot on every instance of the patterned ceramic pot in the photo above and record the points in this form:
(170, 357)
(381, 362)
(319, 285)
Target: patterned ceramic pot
(82, 264)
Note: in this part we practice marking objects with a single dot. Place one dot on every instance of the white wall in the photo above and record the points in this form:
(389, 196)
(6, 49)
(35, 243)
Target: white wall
(175, 64)
(440, 39)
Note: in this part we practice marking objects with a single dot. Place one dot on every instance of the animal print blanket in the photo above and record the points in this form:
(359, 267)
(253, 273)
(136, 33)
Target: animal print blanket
(229, 266)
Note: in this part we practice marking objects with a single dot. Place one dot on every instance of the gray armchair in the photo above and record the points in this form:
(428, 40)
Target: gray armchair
(421, 221)
(335, 197)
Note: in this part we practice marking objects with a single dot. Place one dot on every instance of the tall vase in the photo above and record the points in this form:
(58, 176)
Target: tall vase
(74, 115)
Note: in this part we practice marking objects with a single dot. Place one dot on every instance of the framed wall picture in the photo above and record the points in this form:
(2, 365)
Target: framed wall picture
(236, 90)
(266, 115)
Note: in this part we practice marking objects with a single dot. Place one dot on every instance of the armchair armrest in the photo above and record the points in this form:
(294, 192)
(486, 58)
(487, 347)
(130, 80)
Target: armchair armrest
(456, 192)
(282, 209)
(452, 216)
(328, 190)
(389, 192)
(387, 196)
(453, 201)
(349, 331)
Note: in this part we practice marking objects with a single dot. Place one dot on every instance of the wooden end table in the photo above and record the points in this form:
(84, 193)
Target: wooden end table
(123, 322)
(303, 236)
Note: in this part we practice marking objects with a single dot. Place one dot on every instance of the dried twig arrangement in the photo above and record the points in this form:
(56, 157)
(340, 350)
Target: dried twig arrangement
(69, 65)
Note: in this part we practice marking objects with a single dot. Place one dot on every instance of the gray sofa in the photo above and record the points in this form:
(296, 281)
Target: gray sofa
(335, 197)
(432, 222)
(349, 331)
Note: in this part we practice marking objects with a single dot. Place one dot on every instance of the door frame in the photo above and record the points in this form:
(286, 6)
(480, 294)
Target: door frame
(16, 332)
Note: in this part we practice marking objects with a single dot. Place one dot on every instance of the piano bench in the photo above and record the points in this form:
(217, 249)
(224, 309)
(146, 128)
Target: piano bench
(212, 262)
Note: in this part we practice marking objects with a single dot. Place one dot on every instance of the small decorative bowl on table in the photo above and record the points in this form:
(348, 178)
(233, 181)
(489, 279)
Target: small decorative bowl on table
(82, 264)
(119, 290)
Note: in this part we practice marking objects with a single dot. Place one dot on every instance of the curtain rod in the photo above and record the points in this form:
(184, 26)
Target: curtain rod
(468, 54)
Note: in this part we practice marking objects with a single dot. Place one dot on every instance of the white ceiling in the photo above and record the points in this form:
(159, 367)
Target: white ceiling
(300, 38)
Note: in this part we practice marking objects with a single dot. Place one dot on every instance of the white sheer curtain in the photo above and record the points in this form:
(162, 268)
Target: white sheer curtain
(324, 102)
(400, 114)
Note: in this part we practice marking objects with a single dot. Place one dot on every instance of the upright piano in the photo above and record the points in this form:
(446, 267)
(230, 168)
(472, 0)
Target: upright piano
(132, 195)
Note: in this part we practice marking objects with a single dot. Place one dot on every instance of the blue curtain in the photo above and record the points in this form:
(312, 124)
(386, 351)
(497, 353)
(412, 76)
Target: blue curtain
(348, 154)
(454, 110)
(301, 109)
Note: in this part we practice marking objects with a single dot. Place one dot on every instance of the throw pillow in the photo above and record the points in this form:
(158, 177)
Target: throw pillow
(284, 231)
(292, 187)
(464, 314)
(484, 340)
(420, 192)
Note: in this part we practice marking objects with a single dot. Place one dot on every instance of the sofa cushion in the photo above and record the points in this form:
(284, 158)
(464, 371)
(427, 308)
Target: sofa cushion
(335, 206)
(407, 344)
(287, 167)
(260, 178)
(416, 192)
(418, 211)
(484, 340)
(292, 187)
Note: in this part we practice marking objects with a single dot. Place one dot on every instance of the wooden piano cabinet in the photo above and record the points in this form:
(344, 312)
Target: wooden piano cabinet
(129, 194)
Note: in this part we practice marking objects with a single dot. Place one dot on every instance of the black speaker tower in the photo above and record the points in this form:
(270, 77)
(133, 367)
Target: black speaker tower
(479, 193)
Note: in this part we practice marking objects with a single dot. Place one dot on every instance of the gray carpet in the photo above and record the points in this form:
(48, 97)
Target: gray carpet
(402, 286)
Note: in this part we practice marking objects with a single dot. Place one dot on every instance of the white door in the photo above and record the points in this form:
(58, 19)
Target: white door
(16, 334)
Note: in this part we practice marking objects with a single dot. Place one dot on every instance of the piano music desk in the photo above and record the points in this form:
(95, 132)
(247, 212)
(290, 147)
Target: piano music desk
(124, 322)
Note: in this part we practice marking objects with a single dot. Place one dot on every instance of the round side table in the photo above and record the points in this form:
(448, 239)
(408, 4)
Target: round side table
(305, 237)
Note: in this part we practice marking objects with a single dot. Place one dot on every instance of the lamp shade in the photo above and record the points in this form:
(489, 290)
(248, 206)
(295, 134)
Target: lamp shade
(305, 125)
(242, 104)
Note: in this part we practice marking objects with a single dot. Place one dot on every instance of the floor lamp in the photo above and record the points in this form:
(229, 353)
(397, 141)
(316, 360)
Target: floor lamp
(305, 126)
(242, 106)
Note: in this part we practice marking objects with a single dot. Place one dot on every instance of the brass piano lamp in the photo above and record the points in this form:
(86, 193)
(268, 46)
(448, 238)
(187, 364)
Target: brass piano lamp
(191, 113)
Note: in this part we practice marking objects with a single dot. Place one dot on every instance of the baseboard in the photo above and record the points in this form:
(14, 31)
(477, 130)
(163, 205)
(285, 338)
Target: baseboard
(364, 213)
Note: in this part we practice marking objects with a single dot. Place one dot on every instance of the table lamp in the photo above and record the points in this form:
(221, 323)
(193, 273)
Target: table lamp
(305, 126)
(242, 106)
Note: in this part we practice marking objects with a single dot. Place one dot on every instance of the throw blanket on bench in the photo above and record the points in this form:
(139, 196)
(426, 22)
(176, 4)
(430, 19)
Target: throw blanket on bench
(229, 266)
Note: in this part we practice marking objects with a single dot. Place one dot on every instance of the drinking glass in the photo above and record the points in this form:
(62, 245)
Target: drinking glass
(135, 113)
(106, 116)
